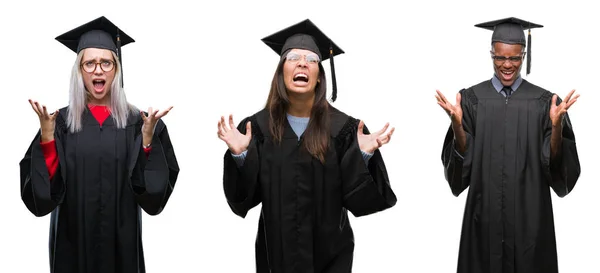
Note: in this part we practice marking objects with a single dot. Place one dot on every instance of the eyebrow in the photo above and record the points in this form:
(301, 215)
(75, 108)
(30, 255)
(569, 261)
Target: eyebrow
(102, 60)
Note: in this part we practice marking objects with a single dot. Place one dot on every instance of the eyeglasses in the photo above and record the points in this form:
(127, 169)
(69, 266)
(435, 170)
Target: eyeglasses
(512, 59)
(294, 57)
(105, 65)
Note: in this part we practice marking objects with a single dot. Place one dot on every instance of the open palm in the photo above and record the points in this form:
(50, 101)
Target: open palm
(236, 141)
(454, 111)
(557, 112)
(371, 142)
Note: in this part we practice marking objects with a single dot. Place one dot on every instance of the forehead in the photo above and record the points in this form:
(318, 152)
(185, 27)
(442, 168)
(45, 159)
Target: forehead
(97, 53)
(510, 49)
(302, 51)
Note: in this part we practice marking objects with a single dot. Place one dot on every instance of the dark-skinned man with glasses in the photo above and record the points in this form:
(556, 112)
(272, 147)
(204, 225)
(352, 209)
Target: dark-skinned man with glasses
(509, 142)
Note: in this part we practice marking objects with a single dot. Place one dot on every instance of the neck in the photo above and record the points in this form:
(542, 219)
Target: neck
(301, 104)
(105, 101)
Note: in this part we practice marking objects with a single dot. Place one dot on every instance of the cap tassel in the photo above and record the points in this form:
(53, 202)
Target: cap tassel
(119, 55)
(333, 82)
(529, 52)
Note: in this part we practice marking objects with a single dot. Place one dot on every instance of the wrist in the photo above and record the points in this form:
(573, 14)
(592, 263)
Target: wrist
(47, 136)
(457, 126)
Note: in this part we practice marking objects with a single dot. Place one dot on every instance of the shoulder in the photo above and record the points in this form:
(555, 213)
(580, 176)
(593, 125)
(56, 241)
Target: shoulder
(61, 119)
(537, 91)
(259, 123)
(342, 124)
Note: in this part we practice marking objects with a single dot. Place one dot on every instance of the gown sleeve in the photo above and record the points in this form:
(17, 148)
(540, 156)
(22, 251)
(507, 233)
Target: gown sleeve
(457, 167)
(240, 183)
(40, 191)
(51, 156)
(153, 176)
(366, 187)
(562, 172)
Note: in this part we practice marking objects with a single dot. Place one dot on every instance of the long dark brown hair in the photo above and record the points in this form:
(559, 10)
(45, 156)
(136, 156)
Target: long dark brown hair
(316, 136)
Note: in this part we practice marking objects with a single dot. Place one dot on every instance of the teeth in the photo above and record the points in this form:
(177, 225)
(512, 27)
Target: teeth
(507, 72)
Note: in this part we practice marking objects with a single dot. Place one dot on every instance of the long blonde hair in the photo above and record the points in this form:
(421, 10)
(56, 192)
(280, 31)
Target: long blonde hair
(78, 97)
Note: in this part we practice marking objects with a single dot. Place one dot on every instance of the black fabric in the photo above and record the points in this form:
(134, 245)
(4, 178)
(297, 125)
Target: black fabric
(304, 224)
(508, 224)
(102, 181)
(98, 33)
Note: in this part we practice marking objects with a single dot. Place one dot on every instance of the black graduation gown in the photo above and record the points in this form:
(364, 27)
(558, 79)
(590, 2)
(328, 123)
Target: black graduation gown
(508, 222)
(95, 196)
(304, 224)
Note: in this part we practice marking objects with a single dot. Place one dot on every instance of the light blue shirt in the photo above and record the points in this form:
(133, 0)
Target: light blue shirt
(498, 85)
(299, 125)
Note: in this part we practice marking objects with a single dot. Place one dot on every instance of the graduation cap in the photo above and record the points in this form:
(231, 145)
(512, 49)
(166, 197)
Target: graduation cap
(306, 35)
(510, 31)
(98, 33)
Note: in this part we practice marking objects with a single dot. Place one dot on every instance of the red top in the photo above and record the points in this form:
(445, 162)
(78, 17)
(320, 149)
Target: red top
(101, 113)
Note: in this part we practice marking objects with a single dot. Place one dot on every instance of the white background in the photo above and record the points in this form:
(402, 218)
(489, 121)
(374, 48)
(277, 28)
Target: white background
(207, 60)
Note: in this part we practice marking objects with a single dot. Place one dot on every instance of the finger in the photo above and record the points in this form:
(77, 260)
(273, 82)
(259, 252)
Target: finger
(553, 100)
(164, 112)
(361, 124)
(40, 110)
(562, 112)
(154, 114)
(571, 102)
(391, 133)
(54, 115)
(385, 127)
(223, 126)
(568, 97)
(219, 131)
(149, 112)
(458, 98)
(248, 128)
(221, 137)
(573, 99)
(231, 124)
(379, 143)
(442, 97)
(383, 139)
(144, 116)
(444, 106)
(34, 107)
(439, 99)
(45, 111)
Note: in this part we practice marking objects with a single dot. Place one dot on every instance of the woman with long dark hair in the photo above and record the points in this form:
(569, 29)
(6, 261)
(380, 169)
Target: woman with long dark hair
(96, 162)
(305, 161)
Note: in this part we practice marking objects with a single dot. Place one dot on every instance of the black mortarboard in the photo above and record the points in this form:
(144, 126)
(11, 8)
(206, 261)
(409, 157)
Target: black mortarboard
(98, 33)
(510, 31)
(306, 35)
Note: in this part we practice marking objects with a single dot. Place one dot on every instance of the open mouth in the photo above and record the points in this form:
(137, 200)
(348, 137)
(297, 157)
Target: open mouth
(99, 85)
(507, 75)
(300, 77)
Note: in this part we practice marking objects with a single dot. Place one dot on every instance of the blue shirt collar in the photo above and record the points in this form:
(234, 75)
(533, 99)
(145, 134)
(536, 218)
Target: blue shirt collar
(498, 85)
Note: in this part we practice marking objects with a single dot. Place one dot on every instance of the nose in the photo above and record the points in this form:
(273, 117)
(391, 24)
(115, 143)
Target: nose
(507, 64)
(98, 70)
(302, 62)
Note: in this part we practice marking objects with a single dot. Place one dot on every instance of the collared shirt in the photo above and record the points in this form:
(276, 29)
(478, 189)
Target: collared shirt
(498, 85)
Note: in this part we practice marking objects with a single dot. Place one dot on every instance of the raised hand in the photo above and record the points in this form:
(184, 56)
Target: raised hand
(370, 143)
(236, 141)
(151, 120)
(47, 120)
(557, 112)
(454, 111)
